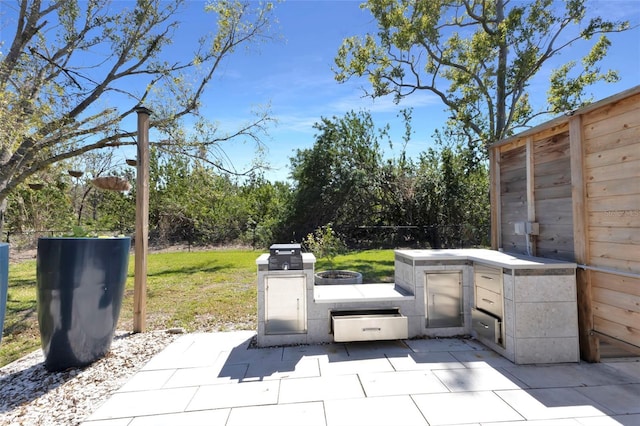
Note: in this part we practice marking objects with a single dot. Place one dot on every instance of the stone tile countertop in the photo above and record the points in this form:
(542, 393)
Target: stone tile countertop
(359, 292)
(489, 257)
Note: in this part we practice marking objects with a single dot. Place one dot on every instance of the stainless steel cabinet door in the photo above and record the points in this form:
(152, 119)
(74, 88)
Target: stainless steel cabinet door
(285, 304)
(443, 299)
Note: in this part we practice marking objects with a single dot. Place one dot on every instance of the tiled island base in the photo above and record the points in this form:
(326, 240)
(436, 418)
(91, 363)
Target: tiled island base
(541, 317)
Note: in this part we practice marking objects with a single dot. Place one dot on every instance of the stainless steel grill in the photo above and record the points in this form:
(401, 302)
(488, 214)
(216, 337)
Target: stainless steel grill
(284, 257)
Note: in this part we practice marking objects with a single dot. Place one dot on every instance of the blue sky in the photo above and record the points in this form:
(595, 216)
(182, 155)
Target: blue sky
(294, 75)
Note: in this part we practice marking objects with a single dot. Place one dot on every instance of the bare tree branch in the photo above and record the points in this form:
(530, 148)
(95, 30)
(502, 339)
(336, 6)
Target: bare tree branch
(50, 99)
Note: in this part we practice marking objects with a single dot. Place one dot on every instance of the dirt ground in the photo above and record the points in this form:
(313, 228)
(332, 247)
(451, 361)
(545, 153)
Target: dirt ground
(17, 256)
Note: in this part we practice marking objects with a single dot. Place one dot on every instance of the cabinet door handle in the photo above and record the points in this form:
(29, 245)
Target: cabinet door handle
(371, 329)
(488, 301)
(486, 277)
(483, 324)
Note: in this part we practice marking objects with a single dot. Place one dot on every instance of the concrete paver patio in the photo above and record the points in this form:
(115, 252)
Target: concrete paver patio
(219, 379)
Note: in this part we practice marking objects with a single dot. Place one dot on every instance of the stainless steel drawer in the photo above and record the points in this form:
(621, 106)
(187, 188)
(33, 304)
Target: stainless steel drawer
(489, 301)
(489, 278)
(486, 326)
(369, 326)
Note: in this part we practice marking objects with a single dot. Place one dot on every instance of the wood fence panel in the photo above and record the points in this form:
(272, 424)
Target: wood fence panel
(623, 137)
(552, 149)
(555, 211)
(615, 123)
(618, 235)
(617, 330)
(613, 156)
(624, 170)
(626, 186)
(623, 317)
(621, 219)
(616, 282)
(608, 110)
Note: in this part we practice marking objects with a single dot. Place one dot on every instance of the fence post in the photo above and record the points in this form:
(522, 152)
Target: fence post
(142, 222)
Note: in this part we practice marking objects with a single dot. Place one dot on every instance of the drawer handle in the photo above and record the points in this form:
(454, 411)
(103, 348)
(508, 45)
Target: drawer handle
(486, 277)
(488, 301)
(483, 324)
(371, 329)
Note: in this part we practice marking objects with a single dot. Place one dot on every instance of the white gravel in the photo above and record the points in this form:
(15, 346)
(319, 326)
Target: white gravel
(30, 395)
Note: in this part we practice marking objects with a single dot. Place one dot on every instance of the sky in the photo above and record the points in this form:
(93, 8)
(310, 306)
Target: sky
(293, 75)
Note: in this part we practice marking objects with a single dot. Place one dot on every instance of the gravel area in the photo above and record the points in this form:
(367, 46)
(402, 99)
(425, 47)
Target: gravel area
(30, 395)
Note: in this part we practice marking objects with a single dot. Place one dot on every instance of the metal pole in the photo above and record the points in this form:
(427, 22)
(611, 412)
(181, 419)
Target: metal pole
(142, 222)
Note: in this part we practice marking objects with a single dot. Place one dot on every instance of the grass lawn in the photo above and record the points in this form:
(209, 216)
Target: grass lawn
(199, 291)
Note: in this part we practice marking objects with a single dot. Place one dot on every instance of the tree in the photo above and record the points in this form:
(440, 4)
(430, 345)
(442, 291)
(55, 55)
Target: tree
(84, 198)
(184, 199)
(478, 57)
(452, 195)
(398, 182)
(265, 207)
(71, 61)
(191, 201)
(112, 210)
(338, 179)
(38, 207)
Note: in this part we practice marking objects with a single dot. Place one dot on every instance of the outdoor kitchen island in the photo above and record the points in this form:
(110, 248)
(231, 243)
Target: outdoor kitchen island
(522, 307)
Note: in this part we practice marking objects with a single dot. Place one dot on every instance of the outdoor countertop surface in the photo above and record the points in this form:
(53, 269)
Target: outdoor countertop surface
(490, 257)
(359, 292)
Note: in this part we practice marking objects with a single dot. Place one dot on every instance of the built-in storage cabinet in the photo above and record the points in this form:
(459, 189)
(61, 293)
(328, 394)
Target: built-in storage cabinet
(527, 315)
(488, 315)
(443, 293)
(286, 304)
(283, 302)
(443, 299)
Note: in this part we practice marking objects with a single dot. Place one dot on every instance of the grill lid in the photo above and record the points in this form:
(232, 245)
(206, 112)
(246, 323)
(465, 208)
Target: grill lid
(285, 256)
(283, 249)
